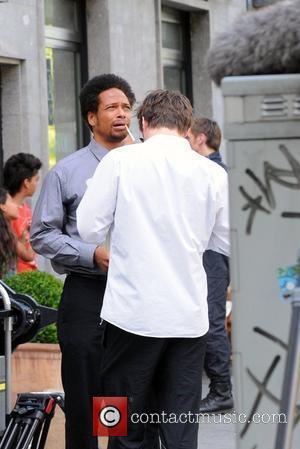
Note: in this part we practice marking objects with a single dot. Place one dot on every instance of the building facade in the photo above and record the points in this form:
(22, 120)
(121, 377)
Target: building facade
(49, 48)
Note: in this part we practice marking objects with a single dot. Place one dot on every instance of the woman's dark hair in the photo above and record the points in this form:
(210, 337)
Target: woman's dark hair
(17, 168)
(89, 95)
(7, 240)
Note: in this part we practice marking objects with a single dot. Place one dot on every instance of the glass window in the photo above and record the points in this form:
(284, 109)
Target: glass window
(174, 79)
(176, 60)
(256, 4)
(172, 36)
(63, 58)
(61, 13)
(62, 107)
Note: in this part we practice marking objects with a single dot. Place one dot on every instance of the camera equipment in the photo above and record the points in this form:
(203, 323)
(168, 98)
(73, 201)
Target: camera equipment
(28, 317)
(30, 420)
(28, 423)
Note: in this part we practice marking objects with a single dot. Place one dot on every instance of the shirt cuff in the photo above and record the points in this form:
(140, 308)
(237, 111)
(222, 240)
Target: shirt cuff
(86, 256)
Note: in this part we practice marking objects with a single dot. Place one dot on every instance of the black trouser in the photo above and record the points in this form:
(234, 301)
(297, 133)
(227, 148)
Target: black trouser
(134, 366)
(79, 335)
(217, 356)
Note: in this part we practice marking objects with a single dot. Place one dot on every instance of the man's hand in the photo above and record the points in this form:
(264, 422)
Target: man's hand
(101, 258)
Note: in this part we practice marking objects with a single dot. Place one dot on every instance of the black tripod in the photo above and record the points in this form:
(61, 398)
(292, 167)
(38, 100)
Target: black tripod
(30, 420)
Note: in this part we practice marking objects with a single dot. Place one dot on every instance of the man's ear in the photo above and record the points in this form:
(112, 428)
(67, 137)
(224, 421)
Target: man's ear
(145, 126)
(91, 118)
(201, 139)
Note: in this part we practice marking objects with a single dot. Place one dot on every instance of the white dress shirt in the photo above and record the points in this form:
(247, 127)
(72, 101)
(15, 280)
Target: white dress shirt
(164, 205)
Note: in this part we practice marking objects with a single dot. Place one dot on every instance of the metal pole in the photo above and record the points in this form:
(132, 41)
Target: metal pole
(8, 330)
(291, 380)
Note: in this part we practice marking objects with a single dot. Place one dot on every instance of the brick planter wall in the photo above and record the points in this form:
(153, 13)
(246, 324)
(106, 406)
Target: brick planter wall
(36, 367)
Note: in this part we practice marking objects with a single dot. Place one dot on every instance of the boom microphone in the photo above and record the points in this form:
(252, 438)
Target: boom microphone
(261, 42)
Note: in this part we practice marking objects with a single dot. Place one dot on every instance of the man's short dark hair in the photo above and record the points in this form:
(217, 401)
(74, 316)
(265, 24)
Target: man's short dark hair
(89, 95)
(165, 108)
(17, 168)
(204, 125)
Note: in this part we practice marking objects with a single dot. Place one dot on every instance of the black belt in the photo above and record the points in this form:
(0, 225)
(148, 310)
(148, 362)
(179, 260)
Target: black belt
(88, 276)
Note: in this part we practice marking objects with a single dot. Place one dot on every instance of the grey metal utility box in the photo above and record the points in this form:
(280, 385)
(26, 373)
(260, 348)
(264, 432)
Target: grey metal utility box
(262, 129)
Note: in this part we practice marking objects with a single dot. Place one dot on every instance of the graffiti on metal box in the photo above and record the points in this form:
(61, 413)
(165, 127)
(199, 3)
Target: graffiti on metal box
(265, 201)
(263, 389)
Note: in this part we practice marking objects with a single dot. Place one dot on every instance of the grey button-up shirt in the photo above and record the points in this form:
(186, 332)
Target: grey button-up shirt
(53, 231)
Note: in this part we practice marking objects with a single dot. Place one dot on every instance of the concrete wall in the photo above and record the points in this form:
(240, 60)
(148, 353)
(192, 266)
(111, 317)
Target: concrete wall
(200, 42)
(98, 37)
(124, 38)
(23, 69)
(222, 14)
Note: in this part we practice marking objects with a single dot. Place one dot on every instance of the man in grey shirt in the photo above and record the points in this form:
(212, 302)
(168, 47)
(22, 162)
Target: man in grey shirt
(106, 103)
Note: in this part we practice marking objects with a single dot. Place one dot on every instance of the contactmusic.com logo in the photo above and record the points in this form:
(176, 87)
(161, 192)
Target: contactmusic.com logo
(110, 416)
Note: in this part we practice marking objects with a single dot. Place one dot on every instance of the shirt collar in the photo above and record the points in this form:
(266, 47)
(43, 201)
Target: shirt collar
(215, 156)
(169, 138)
(98, 150)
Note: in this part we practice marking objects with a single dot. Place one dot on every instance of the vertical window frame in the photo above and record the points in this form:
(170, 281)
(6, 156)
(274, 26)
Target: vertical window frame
(175, 58)
(75, 42)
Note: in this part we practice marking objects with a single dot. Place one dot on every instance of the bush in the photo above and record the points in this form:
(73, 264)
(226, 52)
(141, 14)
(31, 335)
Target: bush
(45, 289)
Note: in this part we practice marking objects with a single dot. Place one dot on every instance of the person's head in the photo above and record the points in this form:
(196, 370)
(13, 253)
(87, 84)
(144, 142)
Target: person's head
(106, 104)
(165, 109)
(204, 135)
(21, 173)
(8, 211)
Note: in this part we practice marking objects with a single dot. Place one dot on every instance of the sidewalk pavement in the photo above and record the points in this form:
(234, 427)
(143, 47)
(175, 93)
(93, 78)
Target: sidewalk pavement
(216, 434)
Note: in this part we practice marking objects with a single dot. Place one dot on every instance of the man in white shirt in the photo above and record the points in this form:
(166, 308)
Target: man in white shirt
(164, 205)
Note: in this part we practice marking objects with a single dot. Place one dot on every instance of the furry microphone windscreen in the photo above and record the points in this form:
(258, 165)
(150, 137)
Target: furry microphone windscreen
(259, 43)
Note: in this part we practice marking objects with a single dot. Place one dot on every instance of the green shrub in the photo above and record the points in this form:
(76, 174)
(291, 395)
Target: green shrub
(45, 289)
